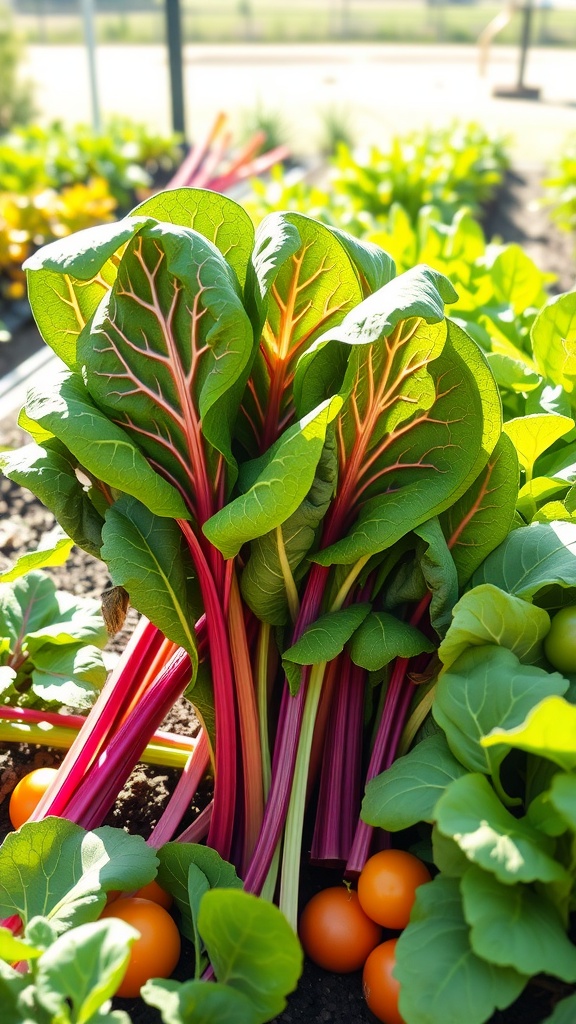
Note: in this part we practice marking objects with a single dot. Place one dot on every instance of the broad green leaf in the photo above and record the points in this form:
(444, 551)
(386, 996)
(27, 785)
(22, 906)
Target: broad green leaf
(78, 618)
(564, 1012)
(166, 357)
(485, 688)
(374, 267)
(549, 730)
(54, 549)
(488, 615)
(382, 637)
(83, 969)
(101, 447)
(68, 278)
(325, 638)
(70, 675)
(562, 796)
(50, 475)
(286, 476)
(13, 949)
(431, 570)
(17, 999)
(516, 280)
(26, 605)
(447, 855)
(276, 561)
(513, 926)
(252, 948)
(54, 868)
(406, 793)
(482, 518)
(549, 398)
(514, 375)
(145, 554)
(442, 390)
(174, 873)
(441, 978)
(554, 340)
(533, 435)
(491, 837)
(198, 884)
(532, 558)
(196, 1002)
(536, 491)
(213, 215)
(543, 815)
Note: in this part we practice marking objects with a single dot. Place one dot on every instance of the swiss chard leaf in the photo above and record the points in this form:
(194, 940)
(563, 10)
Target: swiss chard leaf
(27, 605)
(174, 875)
(323, 640)
(70, 675)
(531, 559)
(382, 637)
(54, 549)
(196, 1002)
(549, 730)
(513, 926)
(554, 340)
(533, 435)
(441, 977)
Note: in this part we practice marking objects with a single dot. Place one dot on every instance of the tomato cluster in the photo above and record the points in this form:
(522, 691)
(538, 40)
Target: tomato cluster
(341, 930)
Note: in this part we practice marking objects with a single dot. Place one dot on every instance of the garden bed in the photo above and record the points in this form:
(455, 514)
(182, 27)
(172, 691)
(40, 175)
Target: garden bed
(320, 996)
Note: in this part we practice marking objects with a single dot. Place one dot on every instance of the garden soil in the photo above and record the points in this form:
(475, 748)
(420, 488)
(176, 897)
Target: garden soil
(515, 216)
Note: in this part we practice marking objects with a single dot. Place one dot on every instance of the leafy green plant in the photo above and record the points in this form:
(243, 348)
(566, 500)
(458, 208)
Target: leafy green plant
(560, 187)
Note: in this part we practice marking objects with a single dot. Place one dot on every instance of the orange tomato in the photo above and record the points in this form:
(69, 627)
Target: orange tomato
(27, 793)
(154, 892)
(335, 932)
(387, 886)
(156, 952)
(381, 989)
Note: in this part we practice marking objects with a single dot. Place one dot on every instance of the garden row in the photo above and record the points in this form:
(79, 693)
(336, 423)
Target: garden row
(347, 521)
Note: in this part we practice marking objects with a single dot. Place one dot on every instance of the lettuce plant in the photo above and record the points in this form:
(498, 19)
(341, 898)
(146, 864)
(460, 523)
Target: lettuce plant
(293, 462)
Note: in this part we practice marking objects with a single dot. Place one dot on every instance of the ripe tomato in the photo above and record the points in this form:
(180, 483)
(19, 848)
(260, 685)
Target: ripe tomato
(387, 886)
(154, 892)
(560, 642)
(156, 953)
(335, 932)
(26, 795)
(381, 989)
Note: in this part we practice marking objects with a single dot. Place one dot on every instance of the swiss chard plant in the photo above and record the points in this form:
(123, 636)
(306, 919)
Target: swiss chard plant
(293, 462)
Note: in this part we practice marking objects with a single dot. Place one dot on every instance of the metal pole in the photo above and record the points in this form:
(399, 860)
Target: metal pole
(174, 39)
(525, 40)
(90, 40)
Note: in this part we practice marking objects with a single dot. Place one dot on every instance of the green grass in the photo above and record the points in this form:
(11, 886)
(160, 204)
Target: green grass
(271, 21)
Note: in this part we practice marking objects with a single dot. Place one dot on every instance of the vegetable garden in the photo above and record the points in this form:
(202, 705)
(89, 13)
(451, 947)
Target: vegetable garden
(320, 441)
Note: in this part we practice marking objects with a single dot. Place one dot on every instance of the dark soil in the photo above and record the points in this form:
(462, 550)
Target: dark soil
(321, 997)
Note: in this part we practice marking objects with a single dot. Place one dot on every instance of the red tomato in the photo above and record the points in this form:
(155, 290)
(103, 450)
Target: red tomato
(154, 892)
(156, 953)
(335, 932)
(381, 989)
(387, 886)
(27, 793)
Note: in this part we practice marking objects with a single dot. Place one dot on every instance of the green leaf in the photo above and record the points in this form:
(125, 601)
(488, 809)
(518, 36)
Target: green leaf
(447, 855)
(252, 948)
(482, 518)
(78, 618)
(50, 475)
(564, 1012)
(533, 435)
(145, 554)
(13, 949)
(102, 447)
(70, 675)
(431, 570)
(532, 558)
(27, 605)
(83, 969)
(516, 280)
(54, 868)
(441, 978)
(488, 615)
(54, 549)
(406, 793)
(562, 796)
(513, 926)
(198, 884)
(174, 873)
(485, 688)
(382, 637)
(549, 730)
(287, 473)
(554, 340)
(196, 1002)
(325, 638)
(374, 266)
(491, 837)
(514, 375)
(277, 560)
(213, 215)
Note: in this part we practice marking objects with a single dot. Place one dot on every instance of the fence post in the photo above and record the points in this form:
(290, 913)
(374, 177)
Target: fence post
(174, 39)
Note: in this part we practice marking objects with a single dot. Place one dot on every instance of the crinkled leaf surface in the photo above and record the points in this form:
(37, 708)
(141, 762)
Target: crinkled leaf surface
(70, 675)
(485, 688)
(54, 868)
(514, 926)
(383, 637)
(532, 558)
(325, 638)
(26, 605)
(491, 837)
(406, 793)
(441, 977)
